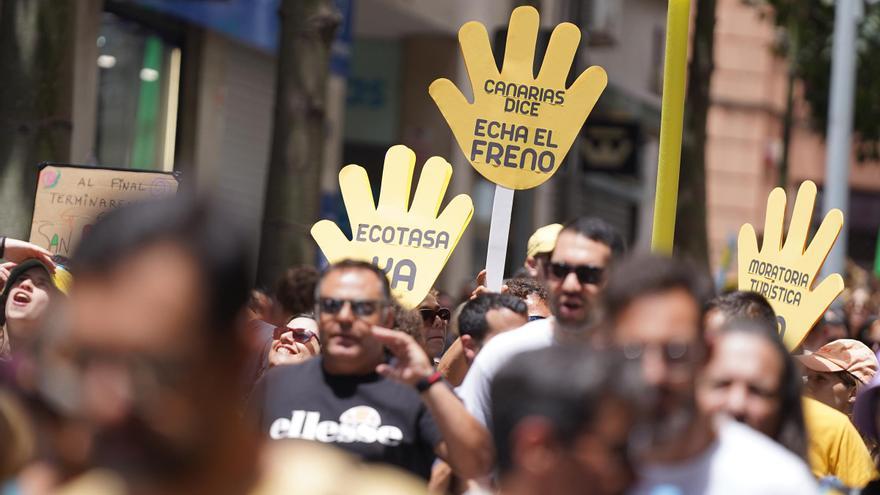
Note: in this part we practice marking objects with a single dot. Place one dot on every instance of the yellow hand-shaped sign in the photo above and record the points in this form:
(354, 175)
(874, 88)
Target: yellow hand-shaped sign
(785, 273)
(411, 244)
(519, 127)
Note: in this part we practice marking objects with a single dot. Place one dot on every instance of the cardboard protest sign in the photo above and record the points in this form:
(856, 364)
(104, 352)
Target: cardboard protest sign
(70, 198)
(786, 273)
(410, 243)
(519, 127)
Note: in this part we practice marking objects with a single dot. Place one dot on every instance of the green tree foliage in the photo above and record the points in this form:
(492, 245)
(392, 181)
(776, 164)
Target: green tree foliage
(808, 28)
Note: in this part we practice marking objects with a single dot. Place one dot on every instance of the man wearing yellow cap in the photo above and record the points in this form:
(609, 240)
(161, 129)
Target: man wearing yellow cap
(28, 292)
(539, 247)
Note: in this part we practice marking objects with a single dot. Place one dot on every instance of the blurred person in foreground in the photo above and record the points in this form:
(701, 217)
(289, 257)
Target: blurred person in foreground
(654, 310)
(562, 419)
(373, 392)
(480, 320)
(150, 340)
(834, 448)
(575, 277)
(752, 379)
(834, 373)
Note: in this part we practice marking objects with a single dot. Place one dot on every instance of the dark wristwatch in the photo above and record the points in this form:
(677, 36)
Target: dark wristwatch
(425, 383)
(2, 246)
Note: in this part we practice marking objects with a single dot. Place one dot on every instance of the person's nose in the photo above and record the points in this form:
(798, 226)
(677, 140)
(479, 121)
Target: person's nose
(654, 369)
(109, 393)
(346, 313)
(27, 284)
(287, 338)
(571, 283)
(737, 398)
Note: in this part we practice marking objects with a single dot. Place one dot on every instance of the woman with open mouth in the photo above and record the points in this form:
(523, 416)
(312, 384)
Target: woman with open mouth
(28, 293)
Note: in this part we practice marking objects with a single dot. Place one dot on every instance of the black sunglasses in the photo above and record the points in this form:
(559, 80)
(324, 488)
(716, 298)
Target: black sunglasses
(360, 308)
(429, 314)
(586, 274)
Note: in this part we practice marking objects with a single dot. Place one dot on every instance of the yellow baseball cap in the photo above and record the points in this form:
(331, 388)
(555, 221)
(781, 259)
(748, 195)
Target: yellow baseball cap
(543, 240)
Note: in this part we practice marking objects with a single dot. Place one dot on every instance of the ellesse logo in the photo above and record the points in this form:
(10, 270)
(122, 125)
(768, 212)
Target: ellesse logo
(359, 424)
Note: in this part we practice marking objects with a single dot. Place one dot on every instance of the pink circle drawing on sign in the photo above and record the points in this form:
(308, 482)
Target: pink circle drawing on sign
(49, 177)
(160, 187)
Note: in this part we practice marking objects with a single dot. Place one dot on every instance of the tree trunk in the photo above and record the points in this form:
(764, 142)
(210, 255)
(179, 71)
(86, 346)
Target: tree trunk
(293, 184)
(691, 232)
(36, 100)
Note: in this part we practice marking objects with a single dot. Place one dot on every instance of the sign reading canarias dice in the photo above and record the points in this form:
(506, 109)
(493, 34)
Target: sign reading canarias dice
(410, 243)
(785, 273)
(519, 127)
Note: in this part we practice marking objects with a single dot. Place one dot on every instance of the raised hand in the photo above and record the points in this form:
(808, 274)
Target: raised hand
(412, 244)
(785, 273)
(519, 127)
(18, 251)
(410, 363)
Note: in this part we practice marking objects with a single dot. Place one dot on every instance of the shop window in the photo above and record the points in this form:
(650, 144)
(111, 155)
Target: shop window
(138, 90)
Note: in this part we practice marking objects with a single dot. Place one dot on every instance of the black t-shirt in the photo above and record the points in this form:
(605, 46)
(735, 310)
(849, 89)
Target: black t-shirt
(370, 416)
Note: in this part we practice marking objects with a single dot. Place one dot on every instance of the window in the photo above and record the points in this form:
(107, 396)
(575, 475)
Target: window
(138, 89)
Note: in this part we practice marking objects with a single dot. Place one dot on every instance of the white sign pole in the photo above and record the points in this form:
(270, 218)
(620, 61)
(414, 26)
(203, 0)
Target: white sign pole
(499, 228)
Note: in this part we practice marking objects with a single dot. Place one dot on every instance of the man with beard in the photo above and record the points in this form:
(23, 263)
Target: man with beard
(654, 309)
(575, 275)
(147, 347)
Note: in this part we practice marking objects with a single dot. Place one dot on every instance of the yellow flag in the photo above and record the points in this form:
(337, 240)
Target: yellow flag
(785, 273)
(520, 126)
(410, 243)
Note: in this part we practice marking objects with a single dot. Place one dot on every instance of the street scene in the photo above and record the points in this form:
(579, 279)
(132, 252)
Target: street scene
(440, 247)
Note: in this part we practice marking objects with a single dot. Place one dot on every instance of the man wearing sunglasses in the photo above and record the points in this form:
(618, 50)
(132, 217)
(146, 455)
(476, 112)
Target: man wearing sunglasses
(435, 321)
(372, 391)
(574, 277)
(654, 315)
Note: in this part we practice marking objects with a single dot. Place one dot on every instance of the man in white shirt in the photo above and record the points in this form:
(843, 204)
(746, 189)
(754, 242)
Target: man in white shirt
(654, 313)
(574, 276)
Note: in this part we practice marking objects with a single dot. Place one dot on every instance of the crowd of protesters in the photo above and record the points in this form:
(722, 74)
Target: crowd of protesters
(148, 364)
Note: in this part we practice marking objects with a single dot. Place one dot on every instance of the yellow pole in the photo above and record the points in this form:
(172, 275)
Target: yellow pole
(671, 121)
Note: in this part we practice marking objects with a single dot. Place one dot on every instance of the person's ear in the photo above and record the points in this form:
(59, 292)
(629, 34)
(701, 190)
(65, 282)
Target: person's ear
(469, 346)
(532, 266)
